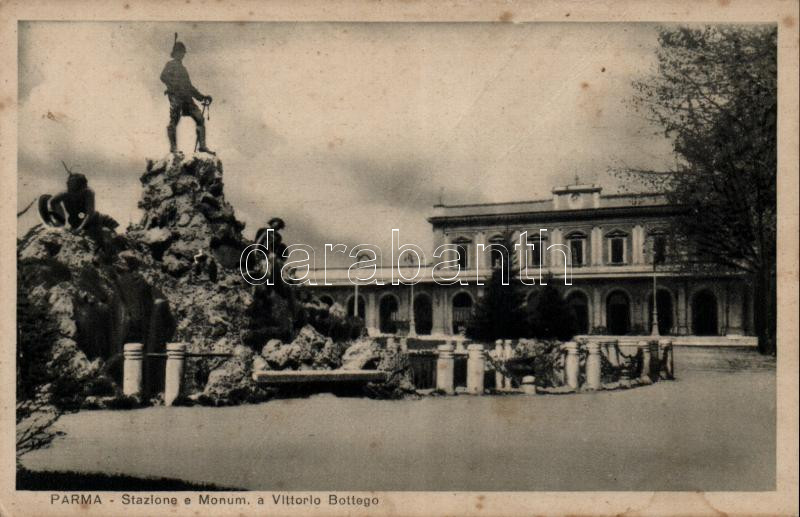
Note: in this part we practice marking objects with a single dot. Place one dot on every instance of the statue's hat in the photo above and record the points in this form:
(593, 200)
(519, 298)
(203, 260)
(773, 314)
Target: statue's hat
(177, 47)
(277, 223)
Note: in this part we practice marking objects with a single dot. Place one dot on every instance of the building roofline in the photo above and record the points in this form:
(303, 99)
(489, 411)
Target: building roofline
(577, 188)
(560, 215)
(545, 200)
(498, 203)
(637, 194)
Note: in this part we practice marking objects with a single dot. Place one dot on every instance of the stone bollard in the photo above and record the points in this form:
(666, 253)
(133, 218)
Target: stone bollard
(666, 352)
(612, 353)
(173, 382)
(529, 385)
(404, 345)
(499, 353)
(445, 369)
(475, 369)
(571, 364)
(654, 366)
(133, 356)
(593, 366)
(625, 376)
(508, 353)
(644, 349)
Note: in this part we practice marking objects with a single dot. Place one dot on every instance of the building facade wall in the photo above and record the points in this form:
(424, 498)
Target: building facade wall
(733, 315)
(578, 230)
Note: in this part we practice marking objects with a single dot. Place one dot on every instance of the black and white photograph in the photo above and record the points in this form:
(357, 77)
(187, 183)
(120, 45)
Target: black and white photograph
(275, 266)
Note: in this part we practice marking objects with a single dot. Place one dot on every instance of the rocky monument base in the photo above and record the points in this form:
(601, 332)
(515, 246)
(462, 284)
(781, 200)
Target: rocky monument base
(173, 277)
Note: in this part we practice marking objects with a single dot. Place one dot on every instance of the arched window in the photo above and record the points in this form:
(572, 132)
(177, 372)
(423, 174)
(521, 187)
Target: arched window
(423, 314)
(580, 307)
(362, 306)
(664, 305)
(388, 314)
(618, 313)
(462, 310)
(704, 314)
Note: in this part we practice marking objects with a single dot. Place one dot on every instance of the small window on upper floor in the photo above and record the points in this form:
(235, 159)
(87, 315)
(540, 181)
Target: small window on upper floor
(577, 244)
(659, 249)
(498, 253)
(617, 247)
(535, 259)
(617, 250)
(576, 251)
(462, 248)
(537, 247)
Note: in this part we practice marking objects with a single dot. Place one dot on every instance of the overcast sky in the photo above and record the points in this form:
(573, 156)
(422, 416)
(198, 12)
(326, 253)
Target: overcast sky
(344, 130)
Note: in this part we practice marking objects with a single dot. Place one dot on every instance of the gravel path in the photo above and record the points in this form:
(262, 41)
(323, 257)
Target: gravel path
(712, 429)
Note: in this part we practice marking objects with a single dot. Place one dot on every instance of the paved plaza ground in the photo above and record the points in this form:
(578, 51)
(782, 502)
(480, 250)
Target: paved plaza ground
(712, 429)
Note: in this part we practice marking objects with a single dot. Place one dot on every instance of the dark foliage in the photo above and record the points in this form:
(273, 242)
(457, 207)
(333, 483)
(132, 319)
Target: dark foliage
(44, 385)
(280, 311)
(36, 333)
(715, 96)
(82, 481)
(502, 314)
(499, 313)
(271, 315)
(542, 359)
(551, 317)
(339, 327)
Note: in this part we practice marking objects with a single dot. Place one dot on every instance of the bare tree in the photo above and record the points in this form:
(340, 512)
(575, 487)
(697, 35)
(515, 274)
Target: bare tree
(35, 419)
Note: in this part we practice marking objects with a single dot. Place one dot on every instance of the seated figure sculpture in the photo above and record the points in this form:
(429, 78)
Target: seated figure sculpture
(273, 242)
(74, 209)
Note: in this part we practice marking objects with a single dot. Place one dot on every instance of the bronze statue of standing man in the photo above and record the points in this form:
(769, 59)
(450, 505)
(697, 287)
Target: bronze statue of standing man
(181, 93)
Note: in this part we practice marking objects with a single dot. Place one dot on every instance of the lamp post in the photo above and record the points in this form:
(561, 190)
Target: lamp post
(412, 324)
(654, 330)
(355, 299)
(658, 256)
(355, 294)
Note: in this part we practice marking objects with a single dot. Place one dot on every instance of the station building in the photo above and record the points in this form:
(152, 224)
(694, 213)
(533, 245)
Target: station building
(608, 243)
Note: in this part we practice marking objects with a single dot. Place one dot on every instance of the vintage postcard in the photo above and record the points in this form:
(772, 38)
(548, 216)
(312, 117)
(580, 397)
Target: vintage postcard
(399, 258)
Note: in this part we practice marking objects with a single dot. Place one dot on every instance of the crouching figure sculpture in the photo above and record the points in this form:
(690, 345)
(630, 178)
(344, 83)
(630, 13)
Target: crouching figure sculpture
(74, 208)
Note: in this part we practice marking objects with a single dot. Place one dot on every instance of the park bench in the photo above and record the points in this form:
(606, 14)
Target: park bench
(270, 377)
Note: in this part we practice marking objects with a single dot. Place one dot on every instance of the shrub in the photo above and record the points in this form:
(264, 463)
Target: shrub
(47, 384)
(551, 317)
(499, 313)
(542, 359)
(271, 315)
(335, 325)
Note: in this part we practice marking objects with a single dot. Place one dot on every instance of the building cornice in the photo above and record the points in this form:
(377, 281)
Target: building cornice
(556, 215)
(338, 277)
